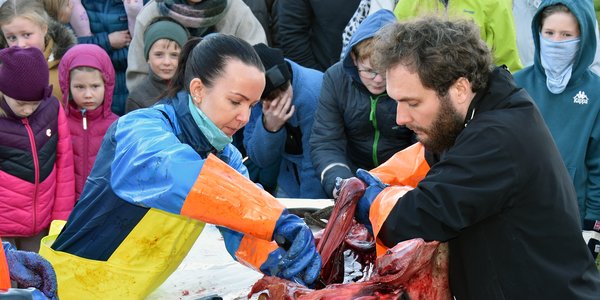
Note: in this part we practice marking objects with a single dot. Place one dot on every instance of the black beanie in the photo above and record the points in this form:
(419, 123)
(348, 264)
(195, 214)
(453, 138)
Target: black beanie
(276, 70)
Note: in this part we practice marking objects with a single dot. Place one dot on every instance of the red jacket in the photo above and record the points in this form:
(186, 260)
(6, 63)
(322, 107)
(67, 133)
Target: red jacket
(36, 169)
(87, 127)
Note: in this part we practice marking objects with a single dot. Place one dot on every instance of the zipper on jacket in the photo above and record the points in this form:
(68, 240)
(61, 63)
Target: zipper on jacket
(373, 119)
(86, 142)
(36, 165)
(84, 119)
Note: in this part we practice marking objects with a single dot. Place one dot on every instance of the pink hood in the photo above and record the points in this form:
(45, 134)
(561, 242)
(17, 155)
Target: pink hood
(87, 55)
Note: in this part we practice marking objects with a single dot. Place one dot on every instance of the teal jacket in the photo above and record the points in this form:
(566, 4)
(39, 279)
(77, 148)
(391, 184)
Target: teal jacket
(573, 115)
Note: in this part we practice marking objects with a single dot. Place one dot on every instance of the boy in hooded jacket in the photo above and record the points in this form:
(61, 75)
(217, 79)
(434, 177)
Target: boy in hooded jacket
(565, 90)
(355, 119)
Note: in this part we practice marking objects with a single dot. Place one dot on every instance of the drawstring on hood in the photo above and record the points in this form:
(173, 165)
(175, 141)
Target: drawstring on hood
(84, 122)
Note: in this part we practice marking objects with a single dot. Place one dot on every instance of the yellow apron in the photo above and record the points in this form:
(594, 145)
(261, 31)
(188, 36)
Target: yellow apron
(143, 261)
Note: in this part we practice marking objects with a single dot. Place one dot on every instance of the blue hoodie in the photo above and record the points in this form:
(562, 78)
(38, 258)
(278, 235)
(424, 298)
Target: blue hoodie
(354, 128)
(572, 116)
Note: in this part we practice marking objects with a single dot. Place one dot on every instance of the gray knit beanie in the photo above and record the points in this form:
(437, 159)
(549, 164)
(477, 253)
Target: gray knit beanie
(164, 29)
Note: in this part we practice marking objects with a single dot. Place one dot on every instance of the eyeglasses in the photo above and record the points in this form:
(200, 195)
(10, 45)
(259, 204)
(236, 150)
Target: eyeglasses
(370, 74)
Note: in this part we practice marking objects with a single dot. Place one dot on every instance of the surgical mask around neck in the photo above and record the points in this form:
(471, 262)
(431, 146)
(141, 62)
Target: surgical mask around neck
(557, 60)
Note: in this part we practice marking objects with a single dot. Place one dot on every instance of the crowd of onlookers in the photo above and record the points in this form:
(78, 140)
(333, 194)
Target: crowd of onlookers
(121, 104)
(324, 112)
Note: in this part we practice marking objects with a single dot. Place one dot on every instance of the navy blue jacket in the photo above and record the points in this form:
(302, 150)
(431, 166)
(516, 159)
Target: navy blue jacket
(354, 128)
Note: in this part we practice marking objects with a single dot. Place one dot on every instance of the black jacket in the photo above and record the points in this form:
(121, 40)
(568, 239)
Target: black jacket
(504, 200)
(344, 137)
(310, 31)
(354, 128)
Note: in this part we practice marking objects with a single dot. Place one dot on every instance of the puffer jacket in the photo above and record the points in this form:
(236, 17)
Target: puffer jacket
(37, 182)
(87, 127)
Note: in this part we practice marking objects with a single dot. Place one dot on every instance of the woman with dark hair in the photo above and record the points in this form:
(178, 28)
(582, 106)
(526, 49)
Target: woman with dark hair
(163, 172)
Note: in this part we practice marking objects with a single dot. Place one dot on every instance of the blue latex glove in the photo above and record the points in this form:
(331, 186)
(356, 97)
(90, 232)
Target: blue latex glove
(29, 269)
(296, 258)
(374, 187)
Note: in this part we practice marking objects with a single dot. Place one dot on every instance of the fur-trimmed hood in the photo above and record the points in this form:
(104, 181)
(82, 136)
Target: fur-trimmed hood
(63, 38)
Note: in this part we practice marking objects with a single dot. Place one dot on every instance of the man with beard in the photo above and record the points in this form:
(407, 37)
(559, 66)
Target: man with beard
(498, 193)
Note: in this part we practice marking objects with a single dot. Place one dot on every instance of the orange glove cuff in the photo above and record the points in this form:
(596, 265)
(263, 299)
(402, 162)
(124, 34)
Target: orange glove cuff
(4, 273)
(222, 196)
(407, 167)
(381, 208)
(253, 252)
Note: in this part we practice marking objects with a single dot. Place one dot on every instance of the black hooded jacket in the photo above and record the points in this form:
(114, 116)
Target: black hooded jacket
(503, 199)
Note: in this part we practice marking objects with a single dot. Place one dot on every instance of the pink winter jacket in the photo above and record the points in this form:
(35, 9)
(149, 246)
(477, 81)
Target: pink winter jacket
(37, 182)
(87, 127)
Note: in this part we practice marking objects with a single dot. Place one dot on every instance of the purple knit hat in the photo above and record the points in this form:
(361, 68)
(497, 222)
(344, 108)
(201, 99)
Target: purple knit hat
(24, 74)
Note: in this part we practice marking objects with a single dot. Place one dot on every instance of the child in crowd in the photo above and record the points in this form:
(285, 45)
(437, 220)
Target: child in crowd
(355, 119)
(36, 159)
(25, 23)
(110, 30)
(87, 80)
(81, 23)
(163, 41)
(279, 128)
(566, 93)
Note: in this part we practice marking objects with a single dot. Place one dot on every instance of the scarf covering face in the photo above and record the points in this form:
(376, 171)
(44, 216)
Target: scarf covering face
(199, 15)
(213, 134)
(557, 60)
